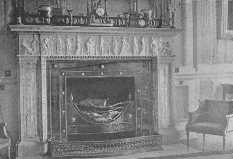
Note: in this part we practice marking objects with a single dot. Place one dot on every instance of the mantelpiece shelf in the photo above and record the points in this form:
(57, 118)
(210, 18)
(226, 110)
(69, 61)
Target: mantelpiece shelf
(95, 30)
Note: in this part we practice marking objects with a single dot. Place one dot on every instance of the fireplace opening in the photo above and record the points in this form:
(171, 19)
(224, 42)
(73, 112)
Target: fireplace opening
(102, 105)
(100, 108)
(111, 89)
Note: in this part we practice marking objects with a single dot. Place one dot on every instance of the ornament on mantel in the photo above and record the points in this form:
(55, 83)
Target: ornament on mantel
(172, 10)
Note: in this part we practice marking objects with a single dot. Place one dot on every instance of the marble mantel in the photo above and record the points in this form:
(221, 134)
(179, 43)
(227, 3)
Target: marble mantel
(37, 44)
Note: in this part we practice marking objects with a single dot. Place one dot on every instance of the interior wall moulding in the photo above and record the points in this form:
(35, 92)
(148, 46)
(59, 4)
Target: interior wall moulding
(165, 32)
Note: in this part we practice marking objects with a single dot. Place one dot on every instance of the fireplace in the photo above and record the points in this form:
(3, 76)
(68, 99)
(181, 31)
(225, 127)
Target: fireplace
(89, 92)
(108, 99)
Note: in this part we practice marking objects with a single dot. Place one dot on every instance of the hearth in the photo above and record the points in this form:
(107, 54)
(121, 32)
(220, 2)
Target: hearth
(107, 101)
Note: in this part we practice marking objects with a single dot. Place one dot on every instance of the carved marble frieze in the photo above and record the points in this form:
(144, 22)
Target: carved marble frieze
(78, 44)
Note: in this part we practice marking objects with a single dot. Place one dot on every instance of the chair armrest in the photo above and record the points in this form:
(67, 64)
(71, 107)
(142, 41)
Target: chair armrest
(229, 126)
(193, 116)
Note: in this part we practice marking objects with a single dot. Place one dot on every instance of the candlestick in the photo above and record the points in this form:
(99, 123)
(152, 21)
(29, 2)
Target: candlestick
(161, 8)
(135, 6)
(87, 7)
(69, 5)
(105, 8)
(91, 5)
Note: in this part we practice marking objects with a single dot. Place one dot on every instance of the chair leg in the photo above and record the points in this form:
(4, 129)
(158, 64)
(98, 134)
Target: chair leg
(203, 143)
(224, 142)
(9, 149)
(187, 133)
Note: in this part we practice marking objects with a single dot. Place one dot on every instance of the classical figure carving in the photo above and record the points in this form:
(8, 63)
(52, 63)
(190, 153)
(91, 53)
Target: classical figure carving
(125, 47)
(101, 46)
(69, 46)
(135, 48)
(109, 50)
(143, 47)
(59, 46)
(90, 46)
(78, 46)
(108, 47)
(30, 48)
(155, 46)
(105, 46)
(27, 48)
(45, 46)
(114, 46)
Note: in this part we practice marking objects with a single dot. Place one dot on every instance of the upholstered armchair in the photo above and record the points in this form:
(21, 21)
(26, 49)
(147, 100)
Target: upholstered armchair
(212, 117)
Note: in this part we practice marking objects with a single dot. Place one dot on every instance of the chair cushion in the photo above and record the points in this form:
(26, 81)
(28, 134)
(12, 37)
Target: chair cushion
(207, 128)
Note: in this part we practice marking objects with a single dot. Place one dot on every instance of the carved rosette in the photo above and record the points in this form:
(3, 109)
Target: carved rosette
(165, 49)
(160, 47)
